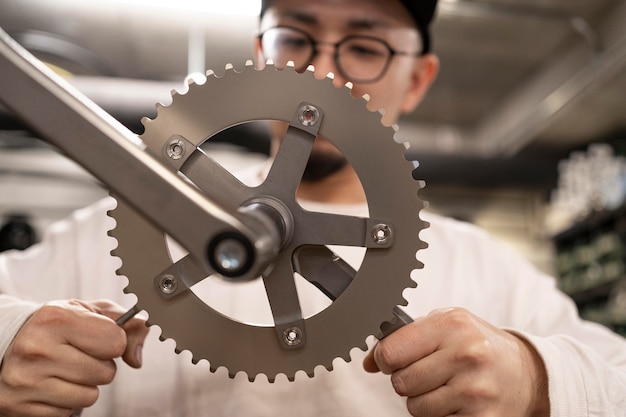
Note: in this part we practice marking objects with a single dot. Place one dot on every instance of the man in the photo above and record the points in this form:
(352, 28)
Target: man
(492, 336)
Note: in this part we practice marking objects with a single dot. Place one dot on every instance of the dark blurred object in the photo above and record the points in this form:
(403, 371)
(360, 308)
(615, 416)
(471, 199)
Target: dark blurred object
(17, 233)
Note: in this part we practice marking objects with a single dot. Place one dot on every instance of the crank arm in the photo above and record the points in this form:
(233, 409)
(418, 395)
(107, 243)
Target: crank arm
(113, 154)
(332, 275)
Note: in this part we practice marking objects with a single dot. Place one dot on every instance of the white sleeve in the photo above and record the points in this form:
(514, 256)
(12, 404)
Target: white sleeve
(13, 313)
(581, 382)
(585, 362)
(71, 261)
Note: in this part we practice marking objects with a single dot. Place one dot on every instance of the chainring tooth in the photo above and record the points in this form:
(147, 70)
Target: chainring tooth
(192, 115)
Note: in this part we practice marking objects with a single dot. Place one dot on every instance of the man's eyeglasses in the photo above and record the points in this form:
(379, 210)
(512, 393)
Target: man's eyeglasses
(358, 58)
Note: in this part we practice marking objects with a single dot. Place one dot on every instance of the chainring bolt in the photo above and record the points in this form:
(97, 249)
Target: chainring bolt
(381, 233)
(175, 149)
(308, 115)
(168, 284)
(292, 336)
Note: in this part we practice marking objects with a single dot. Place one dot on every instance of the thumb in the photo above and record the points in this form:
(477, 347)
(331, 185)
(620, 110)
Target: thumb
(136, 332)
(369, 363)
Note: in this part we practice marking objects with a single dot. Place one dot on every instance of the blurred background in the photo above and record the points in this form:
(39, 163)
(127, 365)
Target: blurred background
(524, 132)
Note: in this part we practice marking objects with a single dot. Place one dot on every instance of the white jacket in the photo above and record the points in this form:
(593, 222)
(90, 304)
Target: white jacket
(464, 267)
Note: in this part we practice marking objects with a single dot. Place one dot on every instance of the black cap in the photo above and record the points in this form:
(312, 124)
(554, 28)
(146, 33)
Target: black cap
(422, 11)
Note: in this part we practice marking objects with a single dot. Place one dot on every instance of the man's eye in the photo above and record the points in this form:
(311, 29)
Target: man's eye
(365, 51)
(293, 43)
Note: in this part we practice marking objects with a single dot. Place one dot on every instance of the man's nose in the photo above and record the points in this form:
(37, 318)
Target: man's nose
(324, 63)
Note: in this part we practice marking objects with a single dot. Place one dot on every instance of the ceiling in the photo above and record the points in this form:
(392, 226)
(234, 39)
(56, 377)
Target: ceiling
(515, 72)
(522, 82)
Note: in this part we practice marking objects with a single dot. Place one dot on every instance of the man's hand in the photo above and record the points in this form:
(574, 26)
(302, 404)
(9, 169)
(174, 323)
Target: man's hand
(62, 354)
(452, 363)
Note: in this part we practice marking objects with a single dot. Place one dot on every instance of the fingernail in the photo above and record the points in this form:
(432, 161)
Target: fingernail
(139, 354)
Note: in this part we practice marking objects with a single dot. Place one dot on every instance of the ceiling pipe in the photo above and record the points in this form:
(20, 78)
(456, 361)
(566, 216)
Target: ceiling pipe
(527, 111)
(567, 79)
(466, 8)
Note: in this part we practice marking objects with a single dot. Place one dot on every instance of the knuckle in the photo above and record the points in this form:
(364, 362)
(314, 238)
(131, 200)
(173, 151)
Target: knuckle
(103, 304)
(474, 354)
(478, 393)
(477, 347)
(111, 338)
(14, 378)
(385, 356)
(118, 342)
(457, 318)
(26, 348)
(399, 384)
(416, 406)
(52, 316)
(90, 396)
(108, 373)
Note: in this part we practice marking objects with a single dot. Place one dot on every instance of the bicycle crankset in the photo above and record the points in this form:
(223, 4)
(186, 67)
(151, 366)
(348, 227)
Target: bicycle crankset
(362, 300)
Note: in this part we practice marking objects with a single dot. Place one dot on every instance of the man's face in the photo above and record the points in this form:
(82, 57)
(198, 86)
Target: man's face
(328, 22)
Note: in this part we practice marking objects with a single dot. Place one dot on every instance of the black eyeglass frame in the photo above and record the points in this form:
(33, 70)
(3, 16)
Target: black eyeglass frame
(314, 51)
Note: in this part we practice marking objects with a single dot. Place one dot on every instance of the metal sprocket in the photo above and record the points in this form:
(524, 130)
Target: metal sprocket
(386, 176)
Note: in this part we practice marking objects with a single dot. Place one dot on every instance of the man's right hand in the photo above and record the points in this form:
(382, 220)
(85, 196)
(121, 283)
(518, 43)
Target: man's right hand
(62, 354)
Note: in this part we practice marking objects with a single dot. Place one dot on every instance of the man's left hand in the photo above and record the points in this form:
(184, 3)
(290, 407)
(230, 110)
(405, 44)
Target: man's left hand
(453, 363)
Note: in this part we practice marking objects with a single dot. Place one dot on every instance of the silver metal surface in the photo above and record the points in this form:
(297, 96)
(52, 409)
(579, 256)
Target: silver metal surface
(233, 212)
(117, 157)
(332, 275)
(364, 302)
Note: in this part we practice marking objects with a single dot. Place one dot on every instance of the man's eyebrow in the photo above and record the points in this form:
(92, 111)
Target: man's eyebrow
(367, 24)
(299, 16)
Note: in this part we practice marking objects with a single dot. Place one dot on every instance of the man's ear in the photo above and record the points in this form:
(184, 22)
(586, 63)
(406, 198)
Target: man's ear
(424, 74)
